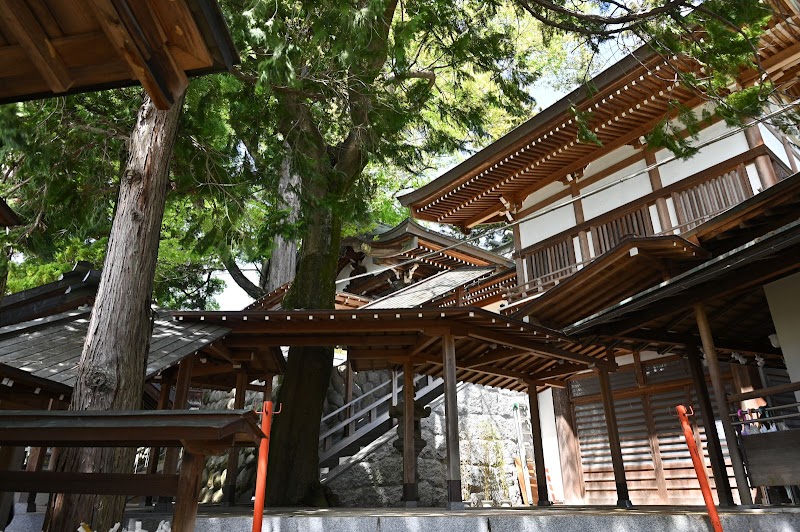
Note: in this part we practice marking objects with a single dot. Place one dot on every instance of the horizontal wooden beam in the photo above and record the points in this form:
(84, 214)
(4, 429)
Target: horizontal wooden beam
(95, 483)
(322, 340)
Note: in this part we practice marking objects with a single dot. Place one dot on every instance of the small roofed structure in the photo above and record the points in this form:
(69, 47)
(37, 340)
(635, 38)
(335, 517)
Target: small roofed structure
(56, 48)
(8, 218)
(430, 251)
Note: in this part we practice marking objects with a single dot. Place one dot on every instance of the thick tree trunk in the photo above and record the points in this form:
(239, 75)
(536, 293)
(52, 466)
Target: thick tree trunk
(111, 368)
(294, 450)
(283, 262)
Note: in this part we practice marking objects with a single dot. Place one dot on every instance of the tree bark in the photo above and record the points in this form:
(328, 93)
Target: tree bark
(111, 368)
(293, 477)
(283, 262)
(4, 259)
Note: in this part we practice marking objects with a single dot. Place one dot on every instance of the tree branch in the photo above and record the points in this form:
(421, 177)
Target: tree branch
(252, 289)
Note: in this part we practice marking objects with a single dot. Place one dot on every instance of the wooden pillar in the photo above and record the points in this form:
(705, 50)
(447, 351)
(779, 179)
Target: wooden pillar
(11, 459)
(152, 463)
(233, 453)
(538, 449)
(568, 448)
(35, 463)
(182, 386)
(454, 501)
(718, 467)
(348, 396)
(188, 491)
(410, 492)
(577, 207)
(519, 261)
(722, 403)
(623, 499)
(656, 184)
(790, 154)
(766, 172)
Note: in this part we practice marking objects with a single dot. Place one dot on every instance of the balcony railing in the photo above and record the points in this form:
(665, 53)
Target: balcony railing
(693, 201)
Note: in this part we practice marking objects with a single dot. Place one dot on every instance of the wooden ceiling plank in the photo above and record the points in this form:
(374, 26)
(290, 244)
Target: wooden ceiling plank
(36, 43)
(182, 32)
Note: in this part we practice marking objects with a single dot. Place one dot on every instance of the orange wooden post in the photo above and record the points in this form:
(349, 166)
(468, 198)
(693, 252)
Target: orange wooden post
(700, 468)
(261, 472)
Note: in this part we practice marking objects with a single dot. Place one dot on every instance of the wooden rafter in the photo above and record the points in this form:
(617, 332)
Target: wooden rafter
(37, 45)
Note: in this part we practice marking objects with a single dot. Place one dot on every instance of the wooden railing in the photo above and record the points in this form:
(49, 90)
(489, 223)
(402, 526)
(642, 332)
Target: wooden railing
(694, 199)
(349, 420)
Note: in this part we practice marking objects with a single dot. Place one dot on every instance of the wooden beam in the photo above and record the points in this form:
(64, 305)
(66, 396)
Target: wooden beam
(182, 386)
(497, 356)
(185, 515)
(97, 483)
(538, 348)
(325, 340)
(538, 448)
(233, 453)
(410, 495)
(454, 501)
(721, 480)
(36, 43)
(138, 38)
(623, 499)
(722, 404)
(558, 370)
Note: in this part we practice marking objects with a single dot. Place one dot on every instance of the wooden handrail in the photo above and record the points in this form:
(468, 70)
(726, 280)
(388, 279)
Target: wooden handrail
(764, 392)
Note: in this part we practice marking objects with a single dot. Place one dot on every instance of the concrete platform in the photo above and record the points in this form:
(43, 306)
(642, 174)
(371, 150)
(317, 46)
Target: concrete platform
(553, 519)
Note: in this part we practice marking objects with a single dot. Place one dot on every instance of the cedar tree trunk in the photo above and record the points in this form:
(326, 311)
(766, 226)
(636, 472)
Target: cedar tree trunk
(112, 365)
(283, 262)
(294, 448)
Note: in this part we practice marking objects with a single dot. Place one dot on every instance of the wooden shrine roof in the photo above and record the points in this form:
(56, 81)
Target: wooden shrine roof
(631, 266)
(50, 348)
(274, 299)
(409, 241)
(490, 349)
(729, 285)
(423, 292)
(625, 101)
(54, 47)
(8, 218)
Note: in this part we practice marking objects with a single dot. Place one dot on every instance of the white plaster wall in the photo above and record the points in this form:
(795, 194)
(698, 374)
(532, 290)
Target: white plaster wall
(552, 458)
(547, 225)
(544, 193)
(783, 297)
(716, 153)
(617, 195)
(610, 159)
(774, 144)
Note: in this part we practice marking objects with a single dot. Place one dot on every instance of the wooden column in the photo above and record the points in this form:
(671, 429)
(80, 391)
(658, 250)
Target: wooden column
(233, 453)
(790, 154)
(348, 396)
(721, 480)
(568, 449)
(454, 501)
(656, 184)
(410, 491)
(267, 388)
(722, 403)
(152, 464)
(623, 499)
(182, 386)
(518, 260)
(188, 491)
(577, 208)
(35, 463)
(538, 449)
(766, 172)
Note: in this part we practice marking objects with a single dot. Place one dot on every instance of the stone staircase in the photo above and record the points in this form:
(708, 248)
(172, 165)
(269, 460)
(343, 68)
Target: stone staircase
(364, 422)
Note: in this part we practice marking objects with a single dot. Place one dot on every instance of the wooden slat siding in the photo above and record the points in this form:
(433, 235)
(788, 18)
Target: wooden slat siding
(609, 234)
(551, 259)
(697, 204)
(647, 425)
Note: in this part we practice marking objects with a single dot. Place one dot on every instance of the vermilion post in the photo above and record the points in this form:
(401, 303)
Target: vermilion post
(699, 467)
(261, 473)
